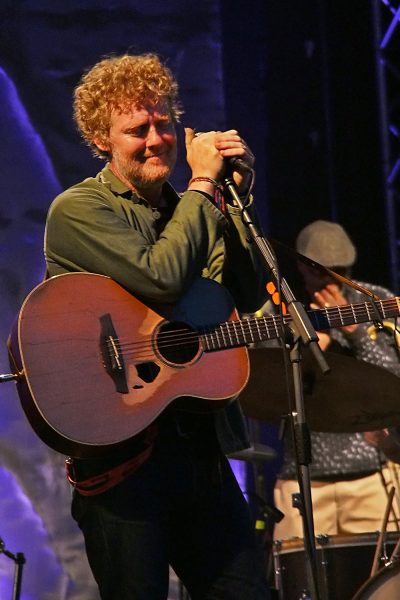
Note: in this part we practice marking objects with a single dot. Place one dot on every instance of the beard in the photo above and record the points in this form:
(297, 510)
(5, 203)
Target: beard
(145, 172)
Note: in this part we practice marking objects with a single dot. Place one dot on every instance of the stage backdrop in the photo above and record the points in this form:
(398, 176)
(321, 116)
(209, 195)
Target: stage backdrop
(289, 76)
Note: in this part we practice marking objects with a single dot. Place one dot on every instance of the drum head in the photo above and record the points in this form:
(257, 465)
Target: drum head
(385, 585)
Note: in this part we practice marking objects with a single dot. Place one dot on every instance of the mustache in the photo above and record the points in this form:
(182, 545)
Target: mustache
(144, 156)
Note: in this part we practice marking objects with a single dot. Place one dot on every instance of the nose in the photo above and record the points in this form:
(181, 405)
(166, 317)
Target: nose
(154, 137)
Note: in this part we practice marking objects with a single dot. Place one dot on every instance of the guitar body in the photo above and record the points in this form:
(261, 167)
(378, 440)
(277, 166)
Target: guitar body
(97, 366)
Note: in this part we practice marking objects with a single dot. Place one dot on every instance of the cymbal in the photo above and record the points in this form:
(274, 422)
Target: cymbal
(354, 396)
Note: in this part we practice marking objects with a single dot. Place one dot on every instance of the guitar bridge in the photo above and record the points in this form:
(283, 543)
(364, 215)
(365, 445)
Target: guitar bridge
(113, 359)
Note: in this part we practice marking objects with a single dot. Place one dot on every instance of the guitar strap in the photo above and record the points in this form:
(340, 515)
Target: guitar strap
(107, 480)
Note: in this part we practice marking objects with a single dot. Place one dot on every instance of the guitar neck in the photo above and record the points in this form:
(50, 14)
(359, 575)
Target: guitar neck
(242, 332)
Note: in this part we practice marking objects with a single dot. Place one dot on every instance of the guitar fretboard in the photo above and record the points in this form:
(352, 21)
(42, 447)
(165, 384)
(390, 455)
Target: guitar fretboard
(232, 334)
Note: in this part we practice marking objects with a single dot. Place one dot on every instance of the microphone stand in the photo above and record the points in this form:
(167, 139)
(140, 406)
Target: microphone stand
(304, 334)
(19, 560)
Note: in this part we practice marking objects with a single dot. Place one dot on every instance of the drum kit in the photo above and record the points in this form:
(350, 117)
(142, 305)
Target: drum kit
(344, 563)
(353, 396)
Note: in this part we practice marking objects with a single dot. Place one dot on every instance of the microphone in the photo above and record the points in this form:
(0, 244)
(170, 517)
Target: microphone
(238, 163)
(234, 162)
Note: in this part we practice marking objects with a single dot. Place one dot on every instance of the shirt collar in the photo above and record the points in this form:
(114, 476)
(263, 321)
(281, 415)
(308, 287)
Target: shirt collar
(107, 177)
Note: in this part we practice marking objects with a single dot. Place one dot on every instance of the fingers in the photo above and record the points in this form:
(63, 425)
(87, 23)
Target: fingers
(189, 135)
(226, 138)
(202, 156)
(230, 144)
(321, 299)
(206, 153)
(329, 296)
(324, 340)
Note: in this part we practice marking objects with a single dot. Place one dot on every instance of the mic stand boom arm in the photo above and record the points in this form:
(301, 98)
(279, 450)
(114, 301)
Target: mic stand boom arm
(304, 334)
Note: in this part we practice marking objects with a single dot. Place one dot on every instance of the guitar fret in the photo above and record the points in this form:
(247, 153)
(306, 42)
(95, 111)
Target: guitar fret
(340, 316)
(354, 314)
(230, 336)
(205, 341)
(213, 340)
(267, 328)
(257, 322)
(240, 339)
(263, 329)
(275, 323)
(368, 311)
(382, 309)
(328, 317)
(210, 341)
(379, 309)
(229, 328)
(217, 337)
(223, 335)
(243, 334)
(265, 325)
(250, 331)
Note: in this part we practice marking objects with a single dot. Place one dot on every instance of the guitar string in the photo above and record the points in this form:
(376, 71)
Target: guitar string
(267, 321)
(175, 338)
(332, 316)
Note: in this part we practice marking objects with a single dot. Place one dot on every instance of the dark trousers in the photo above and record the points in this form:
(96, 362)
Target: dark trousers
(182, 507)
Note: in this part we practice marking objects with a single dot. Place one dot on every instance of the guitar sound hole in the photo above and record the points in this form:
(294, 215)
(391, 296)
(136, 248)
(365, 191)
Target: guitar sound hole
(177, 342)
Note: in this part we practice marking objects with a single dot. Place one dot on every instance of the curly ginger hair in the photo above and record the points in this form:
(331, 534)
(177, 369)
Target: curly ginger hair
(117, 83)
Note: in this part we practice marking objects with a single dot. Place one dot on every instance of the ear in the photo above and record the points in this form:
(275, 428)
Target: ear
(101, 144)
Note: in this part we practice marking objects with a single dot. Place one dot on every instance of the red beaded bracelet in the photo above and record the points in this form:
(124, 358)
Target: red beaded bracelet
(214, 182)
(219, 200)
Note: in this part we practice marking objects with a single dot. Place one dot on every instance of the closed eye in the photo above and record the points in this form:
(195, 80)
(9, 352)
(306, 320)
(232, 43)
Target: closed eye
(138, 131)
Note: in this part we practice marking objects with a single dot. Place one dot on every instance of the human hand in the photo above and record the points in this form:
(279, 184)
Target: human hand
(329, 296)
(206, 154)
(202, 155)
(387, 440)
(231, 145)
(324, 339)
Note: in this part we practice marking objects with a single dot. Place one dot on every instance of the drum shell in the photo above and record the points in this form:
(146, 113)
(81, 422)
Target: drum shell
(343, 563)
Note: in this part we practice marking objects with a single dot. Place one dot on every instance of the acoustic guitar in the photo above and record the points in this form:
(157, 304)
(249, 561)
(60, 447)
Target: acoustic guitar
(96, 365)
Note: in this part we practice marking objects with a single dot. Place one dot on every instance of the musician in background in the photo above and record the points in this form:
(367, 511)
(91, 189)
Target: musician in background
(349, 476)
(178, 502)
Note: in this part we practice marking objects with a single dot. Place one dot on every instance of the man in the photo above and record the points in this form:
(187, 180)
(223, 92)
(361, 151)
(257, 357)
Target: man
(182, 506)
(347, 473)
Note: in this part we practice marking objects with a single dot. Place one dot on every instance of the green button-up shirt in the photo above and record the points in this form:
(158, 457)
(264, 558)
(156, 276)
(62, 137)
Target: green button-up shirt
(101, 226)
